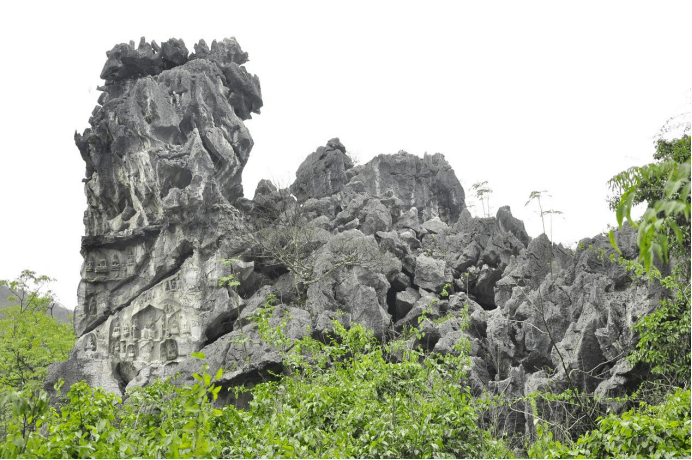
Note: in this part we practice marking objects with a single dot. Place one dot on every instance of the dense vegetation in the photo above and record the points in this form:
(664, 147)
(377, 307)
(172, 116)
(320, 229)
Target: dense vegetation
(356, 397)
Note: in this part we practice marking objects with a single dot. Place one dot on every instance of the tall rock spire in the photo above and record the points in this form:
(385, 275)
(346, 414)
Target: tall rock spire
(164, 157)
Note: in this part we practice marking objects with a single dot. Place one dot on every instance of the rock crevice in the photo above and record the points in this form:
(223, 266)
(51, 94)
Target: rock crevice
(374, 244)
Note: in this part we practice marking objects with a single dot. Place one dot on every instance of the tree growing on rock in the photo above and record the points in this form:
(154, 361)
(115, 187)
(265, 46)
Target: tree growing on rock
(281, 237)
(536, 195)
(663, 232)
(483, 192)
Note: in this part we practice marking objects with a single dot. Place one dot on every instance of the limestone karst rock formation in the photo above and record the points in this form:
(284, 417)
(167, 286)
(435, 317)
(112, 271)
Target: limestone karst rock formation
(373, 244)
(164, 156)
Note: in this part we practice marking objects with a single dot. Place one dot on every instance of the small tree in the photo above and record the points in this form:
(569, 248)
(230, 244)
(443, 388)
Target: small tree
(30, 339)
(664, 230)
(282, 238)
(483, 194)
(665, 188)
(536, 195)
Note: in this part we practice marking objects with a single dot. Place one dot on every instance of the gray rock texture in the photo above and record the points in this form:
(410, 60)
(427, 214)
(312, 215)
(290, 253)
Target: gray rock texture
(323, 173)
(429, 184)
(164, 156)
(430, 273)
(371, 244)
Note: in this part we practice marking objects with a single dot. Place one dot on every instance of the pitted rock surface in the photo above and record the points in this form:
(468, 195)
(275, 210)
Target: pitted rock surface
(164, 157)
(429, 184)
(323, 173)
(373, 244)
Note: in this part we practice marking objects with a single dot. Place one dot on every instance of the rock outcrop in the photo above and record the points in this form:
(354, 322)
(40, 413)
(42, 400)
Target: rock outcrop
(164, 157)
(375, 244)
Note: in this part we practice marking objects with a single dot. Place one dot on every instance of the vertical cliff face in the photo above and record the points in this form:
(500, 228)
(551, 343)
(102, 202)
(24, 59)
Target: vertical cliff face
(164, 157)
(157, 110)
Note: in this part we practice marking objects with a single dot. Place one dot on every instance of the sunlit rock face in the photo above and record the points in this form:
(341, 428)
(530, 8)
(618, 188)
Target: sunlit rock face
(164, 157)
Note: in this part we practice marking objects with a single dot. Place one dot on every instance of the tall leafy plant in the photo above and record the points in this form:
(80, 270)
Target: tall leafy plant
(30, 339)
(663, 230)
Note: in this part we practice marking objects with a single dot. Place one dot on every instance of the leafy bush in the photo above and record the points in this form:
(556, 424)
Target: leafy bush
(355, 397)
(663, 229)
(661, 431)
(351, 397)
(30, 339)
(161, 420)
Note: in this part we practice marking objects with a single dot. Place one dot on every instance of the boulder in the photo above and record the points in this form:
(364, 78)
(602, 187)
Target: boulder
(429, 184)
(429, 273)
(434, 225)
(323, 172)
(375, 217)
(405, 300)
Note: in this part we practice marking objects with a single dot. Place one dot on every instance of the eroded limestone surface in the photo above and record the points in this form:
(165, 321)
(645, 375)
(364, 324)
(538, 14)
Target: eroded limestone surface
(164, 157)
(373, 244)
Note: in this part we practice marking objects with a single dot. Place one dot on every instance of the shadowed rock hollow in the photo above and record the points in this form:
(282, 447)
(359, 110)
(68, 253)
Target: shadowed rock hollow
(372, 244)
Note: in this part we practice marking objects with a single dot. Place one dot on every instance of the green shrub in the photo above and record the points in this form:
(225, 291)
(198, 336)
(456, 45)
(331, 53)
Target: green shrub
(661, 431)
(351, 397)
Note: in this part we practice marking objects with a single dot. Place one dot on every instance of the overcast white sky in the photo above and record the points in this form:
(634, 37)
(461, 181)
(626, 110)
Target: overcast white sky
(526, 95)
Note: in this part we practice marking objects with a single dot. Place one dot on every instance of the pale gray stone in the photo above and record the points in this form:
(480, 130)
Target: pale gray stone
(430, 273)
(164, 157)
(323, 173)
(434, 225)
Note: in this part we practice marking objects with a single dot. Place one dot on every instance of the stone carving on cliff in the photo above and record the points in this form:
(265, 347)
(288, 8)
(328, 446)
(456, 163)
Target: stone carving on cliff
(164, 157)
(372, 244)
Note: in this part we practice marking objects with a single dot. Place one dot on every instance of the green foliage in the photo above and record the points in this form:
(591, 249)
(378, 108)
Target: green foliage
(664, 341)
(661, 431)
(29, 342)
(30, 339)
(354, 397)
(161, 420)
(349, 397)
(275, 336)
(445, 292)
(483, 194)
(665, 188)
(544, 446)
(229, 280)
(663, 229)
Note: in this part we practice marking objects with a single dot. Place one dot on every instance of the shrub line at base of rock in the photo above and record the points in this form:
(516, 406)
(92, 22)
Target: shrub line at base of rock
(369, 244)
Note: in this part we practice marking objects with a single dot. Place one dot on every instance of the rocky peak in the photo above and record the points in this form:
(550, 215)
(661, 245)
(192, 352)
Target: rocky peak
(404, 181)
(323, 173)
(375, 244)
(163, 120)
(428, 184)
(164, 157)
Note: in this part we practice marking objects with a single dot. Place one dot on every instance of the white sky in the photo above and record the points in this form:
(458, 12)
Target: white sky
(526, 95)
